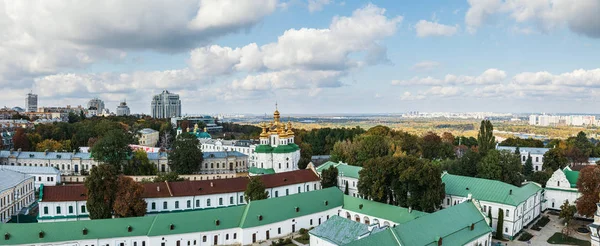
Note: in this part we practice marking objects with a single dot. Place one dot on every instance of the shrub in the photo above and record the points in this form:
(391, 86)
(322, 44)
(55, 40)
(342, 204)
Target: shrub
(303, 231)
(525, 236)
(536, 227)
(543, 221)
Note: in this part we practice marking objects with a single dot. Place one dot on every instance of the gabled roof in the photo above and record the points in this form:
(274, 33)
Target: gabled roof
(572, 176)
(452, 225)
(393, 213)
(282, 208)
(340, 230)
(187, 188)
(10, 178)
(245, 216)
(343, 169)
(31, 170)
(488, 190)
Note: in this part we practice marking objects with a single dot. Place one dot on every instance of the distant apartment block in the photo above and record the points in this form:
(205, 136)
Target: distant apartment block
(31, 102)
(562, 120)
(166, 105)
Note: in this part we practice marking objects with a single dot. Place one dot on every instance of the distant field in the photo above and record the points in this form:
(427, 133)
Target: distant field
(457, 127)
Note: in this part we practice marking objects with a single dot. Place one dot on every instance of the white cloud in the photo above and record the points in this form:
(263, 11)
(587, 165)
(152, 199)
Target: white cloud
(425, 66)
(317, 5)
(579, 16)
(44, 37)
(315, 57)
(434, 92)
(489, 76)
(426, 29)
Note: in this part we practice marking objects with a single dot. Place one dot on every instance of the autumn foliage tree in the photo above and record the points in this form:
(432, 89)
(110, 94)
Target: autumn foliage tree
(50, 145)
(20, 140)
(101, 187)
(129, 201)
(588, 185)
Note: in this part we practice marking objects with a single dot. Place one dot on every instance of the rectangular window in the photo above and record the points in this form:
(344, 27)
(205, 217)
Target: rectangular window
(164, 205)
(45, 210)
(507, 212)
(198, 203)
(189, 204)
(70, 209)
(82, 209)
(279, 230)
(506, 229)
(153, 206)
(57, 210)
(230, 200)
(484, 208)
(310, 221)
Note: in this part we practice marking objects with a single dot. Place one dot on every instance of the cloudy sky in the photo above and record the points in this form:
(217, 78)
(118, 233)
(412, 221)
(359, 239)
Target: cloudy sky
(311, 56)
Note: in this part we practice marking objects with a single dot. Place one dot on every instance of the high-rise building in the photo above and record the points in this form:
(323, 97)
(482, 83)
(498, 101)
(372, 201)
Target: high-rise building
(31, 102)
(97, 104)
(123, 109)
(166, 105)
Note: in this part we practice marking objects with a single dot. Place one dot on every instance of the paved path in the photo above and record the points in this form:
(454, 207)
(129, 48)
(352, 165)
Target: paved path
(541, 237)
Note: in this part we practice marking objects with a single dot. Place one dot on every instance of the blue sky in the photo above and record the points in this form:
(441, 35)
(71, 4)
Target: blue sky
(311, 56)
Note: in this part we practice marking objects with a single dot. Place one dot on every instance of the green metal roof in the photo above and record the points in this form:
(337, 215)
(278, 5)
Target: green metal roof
(572, 176)
(263, 148)
(343, 168)
(452, 225)
(488, 190)
(340, 230)
(261, 171)
(245, 216)
(393, 213)
(285, 148)
(284, 208)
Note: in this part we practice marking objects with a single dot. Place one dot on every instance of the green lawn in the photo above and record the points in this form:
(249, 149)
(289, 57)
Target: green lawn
(557, 238)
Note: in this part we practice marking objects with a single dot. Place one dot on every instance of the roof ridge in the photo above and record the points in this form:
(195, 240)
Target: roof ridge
(245, 214)
(152, 225)
(168, 188)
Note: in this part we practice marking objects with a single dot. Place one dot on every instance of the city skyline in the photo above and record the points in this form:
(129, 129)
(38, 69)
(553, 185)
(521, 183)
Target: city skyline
(317, 56)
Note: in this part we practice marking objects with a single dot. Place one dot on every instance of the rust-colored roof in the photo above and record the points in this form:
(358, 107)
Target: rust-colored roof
(187, 188)
(64, 193)
(288, 178)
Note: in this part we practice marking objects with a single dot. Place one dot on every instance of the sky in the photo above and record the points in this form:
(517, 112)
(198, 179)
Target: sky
(308, 56)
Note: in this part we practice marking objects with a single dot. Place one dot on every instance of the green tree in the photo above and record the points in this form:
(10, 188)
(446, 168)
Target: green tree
(255, 190)
(500, 225)
(186, 156)
(329, 177)
(432, 147)
(528, 168)
(113, 148)
(169, 177)
(503, 165)
(20, 140)
(139, 165)
(554, 159)
(376, 177)
(541, 177)
(567, 212)
(485, 138)
(517, 151)
(49, 145)
(73, 118)
(101, 187)
(128, 200)
(467, 164)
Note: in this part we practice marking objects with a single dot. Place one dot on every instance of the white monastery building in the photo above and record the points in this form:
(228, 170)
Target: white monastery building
(561, 187)
(16, 193)
(48, 176)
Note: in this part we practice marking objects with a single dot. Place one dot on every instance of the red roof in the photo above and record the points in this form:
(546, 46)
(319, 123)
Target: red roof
(187, 188)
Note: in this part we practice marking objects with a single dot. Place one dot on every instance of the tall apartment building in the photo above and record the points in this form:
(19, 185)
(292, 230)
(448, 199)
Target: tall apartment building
(166, 105)
(96, 103)
(123, 109)
(31, 102)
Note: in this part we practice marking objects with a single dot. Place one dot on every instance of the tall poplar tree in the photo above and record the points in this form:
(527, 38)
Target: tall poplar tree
(485, 138)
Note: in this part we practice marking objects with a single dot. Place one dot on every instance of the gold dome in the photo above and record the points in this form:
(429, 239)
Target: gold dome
(264, 133)
(289, 129)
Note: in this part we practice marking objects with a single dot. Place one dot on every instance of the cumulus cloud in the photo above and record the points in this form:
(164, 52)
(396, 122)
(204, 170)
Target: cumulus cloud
(434, 92)
(426, 29)
(305, 57)
(425, 66)
(579, 16)
(489, 76)
(44, 37)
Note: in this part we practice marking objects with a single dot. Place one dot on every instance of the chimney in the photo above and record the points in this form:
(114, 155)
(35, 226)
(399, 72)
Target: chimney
(510, 192)
(46, 152)
(409, 210)
(211, 184)
(157, 188)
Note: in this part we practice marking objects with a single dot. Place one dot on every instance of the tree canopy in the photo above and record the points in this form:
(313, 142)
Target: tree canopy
(502, 165)
(255, 190)
(554, 159)
(128, 199)
(588, 185)
(485, 138)
(139, 164)
(101, 185)
(113, 148)
(329, 177)
(186, 156)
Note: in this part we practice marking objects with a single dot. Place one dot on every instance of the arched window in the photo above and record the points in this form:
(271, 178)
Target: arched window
(220, 201)
(279, 165)
(348, 216)
(176, 204)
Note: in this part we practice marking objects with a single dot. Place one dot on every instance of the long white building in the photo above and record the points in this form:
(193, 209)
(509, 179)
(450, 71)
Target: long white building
(70, 163)
(47, 176)
(16, 193)
(258, 221)
(347, 175)
(521, 205)
(65, 203)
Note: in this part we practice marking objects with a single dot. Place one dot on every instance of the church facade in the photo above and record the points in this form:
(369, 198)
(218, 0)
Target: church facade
(277, 150)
